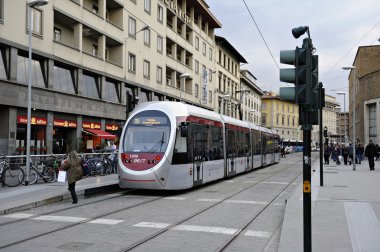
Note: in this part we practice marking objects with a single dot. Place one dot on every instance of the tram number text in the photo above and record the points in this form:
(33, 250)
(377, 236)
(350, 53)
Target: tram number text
(138, 160)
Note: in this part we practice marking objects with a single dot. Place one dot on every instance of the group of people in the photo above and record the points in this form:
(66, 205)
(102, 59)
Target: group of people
(345, 154)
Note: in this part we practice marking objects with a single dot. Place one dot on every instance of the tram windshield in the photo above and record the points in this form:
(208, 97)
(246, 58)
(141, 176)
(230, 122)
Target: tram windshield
(147, 132)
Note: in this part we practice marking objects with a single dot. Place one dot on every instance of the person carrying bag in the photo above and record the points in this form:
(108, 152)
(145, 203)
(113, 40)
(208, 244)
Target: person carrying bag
(75, 172)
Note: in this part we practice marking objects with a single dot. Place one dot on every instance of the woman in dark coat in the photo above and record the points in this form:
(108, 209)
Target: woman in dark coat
(75, 172)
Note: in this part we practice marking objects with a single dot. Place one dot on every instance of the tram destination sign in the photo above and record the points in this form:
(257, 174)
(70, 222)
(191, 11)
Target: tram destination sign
(148, 121)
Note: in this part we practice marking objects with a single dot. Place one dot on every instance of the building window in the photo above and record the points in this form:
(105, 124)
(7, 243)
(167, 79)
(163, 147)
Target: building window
(1, 11)
(196, 43)
(132, 63)
(159, 74)
(204, 48)
(160, 44)
(89, 86)
(109, 92)
(57, 34)
(210, 75)
(196, 91)
(132, 27)
(36, 21)
(210, 54)
(209, 96)
(196, 66)
(95, 9)
(147, 6)
(160, 14)
(63, 80)
(146, 70)
(22, 72)
(147, 37)
(372, 122)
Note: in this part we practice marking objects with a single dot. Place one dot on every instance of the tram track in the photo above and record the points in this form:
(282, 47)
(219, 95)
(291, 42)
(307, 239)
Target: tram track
(197, 213)
(131, 192)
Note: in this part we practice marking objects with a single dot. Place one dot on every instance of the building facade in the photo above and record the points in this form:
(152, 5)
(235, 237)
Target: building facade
(251, 101)
(366, 90)
(280, 115)
(88, 53)
(228, 92)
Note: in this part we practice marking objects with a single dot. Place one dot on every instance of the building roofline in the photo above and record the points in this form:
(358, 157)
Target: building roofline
(222, 40)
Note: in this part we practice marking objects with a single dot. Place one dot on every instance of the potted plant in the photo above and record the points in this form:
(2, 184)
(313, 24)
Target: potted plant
(32, 148)
(21, 148)
(43, 149)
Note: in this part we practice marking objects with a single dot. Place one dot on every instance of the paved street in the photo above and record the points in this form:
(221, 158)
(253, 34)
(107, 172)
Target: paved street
(346, 212)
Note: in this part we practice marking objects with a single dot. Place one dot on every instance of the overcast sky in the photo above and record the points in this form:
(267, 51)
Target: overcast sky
(337, 28)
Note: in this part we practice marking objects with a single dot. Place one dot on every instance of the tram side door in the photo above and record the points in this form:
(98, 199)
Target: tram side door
(264, 150)
(199, 134)
(231, 152)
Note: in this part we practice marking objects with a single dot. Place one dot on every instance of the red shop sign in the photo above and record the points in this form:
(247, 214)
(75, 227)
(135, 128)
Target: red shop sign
(21, 119)
(112, 127)
(91, 125)
(64, 123)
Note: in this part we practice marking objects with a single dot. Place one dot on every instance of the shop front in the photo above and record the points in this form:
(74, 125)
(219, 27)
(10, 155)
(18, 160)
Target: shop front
(93, 137)
(64, 132)
(37, 136)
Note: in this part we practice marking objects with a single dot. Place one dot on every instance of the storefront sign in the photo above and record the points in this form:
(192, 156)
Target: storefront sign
(178, 11)
(112, 127)
(64, 123)
(91, 125)
(21, 119)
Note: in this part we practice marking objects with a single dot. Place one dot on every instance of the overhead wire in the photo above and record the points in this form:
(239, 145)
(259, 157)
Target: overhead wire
(266, 44)
(349, 51)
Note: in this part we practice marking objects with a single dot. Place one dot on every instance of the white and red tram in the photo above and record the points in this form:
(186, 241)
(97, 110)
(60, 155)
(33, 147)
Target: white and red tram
(171, 145)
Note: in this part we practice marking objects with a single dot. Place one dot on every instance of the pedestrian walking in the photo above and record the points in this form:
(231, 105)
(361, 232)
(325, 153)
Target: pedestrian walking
(75, 172)
(360, 152)
(370, 152)
(283, 152)
(326, 154)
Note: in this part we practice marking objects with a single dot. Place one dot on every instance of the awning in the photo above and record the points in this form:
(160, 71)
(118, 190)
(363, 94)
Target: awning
(99, 133)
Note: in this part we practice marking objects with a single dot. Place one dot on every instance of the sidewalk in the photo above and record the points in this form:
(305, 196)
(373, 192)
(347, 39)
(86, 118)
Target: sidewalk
(19, 198)
(345, 210)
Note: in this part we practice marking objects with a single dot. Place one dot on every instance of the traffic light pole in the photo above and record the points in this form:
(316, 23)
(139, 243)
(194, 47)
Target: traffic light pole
(320, 136)
(307, 190)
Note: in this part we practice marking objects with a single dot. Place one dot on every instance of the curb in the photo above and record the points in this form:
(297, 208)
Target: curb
(84, 192)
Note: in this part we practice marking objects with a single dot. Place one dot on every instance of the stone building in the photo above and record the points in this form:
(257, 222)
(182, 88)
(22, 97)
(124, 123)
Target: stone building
(88, 53)
(366, 90)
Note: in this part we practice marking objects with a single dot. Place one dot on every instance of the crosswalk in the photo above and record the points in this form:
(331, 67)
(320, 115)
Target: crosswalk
(154, 225)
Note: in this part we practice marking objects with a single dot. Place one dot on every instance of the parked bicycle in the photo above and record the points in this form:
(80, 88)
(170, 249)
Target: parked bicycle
(45, 173)
(11, 175)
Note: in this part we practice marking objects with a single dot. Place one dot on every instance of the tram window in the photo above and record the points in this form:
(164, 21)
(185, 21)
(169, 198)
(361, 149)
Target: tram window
(180, 155)
(231, 143)
(217, 143)
(247, 144)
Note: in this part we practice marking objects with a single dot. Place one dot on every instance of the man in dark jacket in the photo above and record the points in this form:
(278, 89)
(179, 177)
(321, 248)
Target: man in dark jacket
(370, 152)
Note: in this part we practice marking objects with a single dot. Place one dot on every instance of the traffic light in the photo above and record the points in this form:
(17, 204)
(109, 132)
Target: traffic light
(315, 89)
(300, 59)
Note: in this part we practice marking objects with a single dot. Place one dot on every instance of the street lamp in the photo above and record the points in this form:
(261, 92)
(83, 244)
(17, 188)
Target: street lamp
(30, 4)
(182, 76)
(353, 116)
(345, 121)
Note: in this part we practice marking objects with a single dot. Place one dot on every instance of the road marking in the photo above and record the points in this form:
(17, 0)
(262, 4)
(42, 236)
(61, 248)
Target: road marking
(229, 181)
(219, 230)
(105, 221)
(246, 202)
(19, 215)
(209, 200)
(254, 233)
(152, 225)
(60, 218)
(274, 182)
(175, 198)
(249, 181)
(363, 225)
